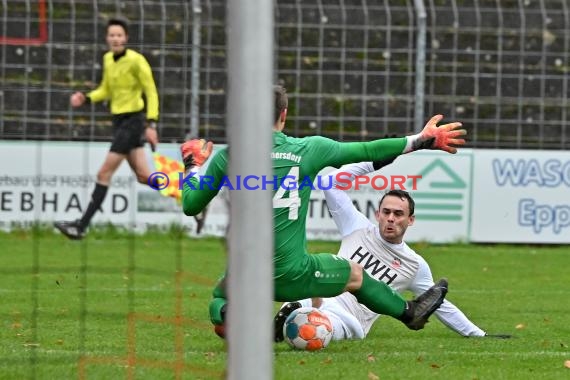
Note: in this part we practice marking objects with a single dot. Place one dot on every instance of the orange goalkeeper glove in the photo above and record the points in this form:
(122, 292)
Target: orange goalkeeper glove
(196, 152)
(445, 137)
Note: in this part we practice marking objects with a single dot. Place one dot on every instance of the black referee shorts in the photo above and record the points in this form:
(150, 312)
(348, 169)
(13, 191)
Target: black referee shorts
(128, 132)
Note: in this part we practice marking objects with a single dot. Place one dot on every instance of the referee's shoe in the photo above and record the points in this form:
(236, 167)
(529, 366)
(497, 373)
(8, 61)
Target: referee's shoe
(72, 230)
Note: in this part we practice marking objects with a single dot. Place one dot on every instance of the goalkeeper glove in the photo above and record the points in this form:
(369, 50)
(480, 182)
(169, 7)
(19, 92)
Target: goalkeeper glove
(444, 137)
(195, 153)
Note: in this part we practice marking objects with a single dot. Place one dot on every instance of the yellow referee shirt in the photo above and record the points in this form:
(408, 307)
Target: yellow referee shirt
(124, 82)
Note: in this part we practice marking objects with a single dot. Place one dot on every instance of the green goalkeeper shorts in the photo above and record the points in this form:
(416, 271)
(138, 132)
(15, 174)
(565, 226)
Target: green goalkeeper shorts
(319, 275)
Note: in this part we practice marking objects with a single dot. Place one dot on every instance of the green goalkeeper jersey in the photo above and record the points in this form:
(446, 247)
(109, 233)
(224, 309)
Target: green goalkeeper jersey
(296, 163)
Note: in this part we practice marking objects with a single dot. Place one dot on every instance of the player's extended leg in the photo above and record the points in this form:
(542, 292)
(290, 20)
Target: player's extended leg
(76, 230)
(382, 299)
(327, 275)
(379, 297)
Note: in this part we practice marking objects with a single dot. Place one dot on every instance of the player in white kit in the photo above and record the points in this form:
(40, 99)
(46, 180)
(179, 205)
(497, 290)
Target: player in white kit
(380, 249)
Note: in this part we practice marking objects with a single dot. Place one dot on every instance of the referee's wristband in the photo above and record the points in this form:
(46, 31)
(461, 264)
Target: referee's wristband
(151, 124)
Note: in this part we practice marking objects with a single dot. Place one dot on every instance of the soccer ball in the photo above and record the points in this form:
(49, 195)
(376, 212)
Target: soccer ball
(308, 329)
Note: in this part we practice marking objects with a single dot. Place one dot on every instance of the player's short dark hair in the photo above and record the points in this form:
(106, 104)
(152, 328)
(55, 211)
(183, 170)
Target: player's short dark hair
(281, 101)
(120, 22)
(402, 194)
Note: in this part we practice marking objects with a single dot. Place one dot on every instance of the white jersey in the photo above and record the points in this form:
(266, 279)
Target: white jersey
(395, 264)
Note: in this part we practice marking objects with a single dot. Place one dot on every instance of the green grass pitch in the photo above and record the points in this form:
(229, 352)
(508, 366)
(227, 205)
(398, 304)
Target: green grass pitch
(106, 307)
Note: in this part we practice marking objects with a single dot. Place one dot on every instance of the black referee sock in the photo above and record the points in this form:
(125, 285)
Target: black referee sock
(96, 200)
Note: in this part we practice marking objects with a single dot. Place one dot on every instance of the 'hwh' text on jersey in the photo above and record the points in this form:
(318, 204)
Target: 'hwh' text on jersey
(374, 266)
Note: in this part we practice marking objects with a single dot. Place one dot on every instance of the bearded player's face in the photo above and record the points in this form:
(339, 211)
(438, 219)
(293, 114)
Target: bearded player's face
(393, 218)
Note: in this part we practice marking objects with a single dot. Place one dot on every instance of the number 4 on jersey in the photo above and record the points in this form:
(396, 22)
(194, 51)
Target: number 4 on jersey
(290, 183)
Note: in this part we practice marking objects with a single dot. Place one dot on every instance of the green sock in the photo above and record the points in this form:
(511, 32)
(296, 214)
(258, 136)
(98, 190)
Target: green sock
(216, 306)
(380, 298)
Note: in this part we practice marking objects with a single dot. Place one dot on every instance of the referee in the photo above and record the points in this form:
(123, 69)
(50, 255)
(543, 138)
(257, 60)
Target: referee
(126, 77)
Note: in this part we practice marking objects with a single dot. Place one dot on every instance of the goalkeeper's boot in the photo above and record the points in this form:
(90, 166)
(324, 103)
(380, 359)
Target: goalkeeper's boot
(281, 317)
(72, 230)
(420, 309)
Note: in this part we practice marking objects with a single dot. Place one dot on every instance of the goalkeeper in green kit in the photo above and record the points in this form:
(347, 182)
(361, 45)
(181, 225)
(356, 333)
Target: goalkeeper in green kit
(296, 162)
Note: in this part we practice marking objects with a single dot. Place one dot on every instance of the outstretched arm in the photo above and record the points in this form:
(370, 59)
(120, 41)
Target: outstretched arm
(331, 153)
(448, 313)
(346, 217)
